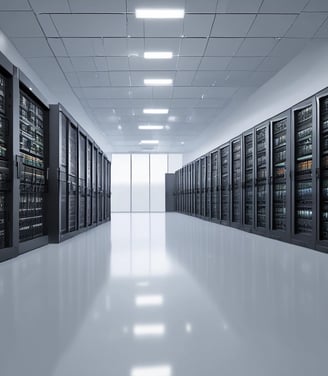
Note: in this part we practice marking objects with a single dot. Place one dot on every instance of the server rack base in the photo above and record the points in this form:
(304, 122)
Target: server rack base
(29, 245)
(8, 253)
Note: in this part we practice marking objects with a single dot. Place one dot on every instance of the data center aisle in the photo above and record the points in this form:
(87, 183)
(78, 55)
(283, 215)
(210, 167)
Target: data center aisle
(164, 294)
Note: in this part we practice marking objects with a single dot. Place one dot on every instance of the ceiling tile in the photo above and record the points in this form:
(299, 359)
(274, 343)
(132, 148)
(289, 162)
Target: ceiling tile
(238, 6)
(137, 77)
(193, 46)
(271, 25)
(20, 24)
(66, 64)
(289, 47)
(273, 64)
(223, 46)
(236, 78)
(214, 63)
(47, 25)
(211, 103)
(163, 28)
(208, 78)
(256, 47)
(232, 25)
(306, 25)
(183, 103)
(14, 5)
(282, 6)
(188, 63)
(197, 25)
(101, 63)
(162, 92)
(184, 78)
(323, 31)
(245, 63)
(73, 79)
(105, 92)
(219, 92)
(99, 6)
(162, 44)
(259, 78)
(204, 6)
(116, 46)
(187, 92)
(139, 63)
(93, 79)
(118, 63)
(32, 47)
(84, 46)
(317, 6)
(85, 64)
(57, 47)
(135, 27)
(50, 6)
(119, 78)
(141, 92)
(90, 25)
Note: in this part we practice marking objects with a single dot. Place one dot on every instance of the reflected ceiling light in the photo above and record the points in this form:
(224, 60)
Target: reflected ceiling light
(188, 328)
(182, 142)
(119, 127)
(172, 118)
(149, 300)
(149, 330)
(156, 111)
(158, 55)
(159, 13)
(162, 370)
(167, 127)
(158, 81)
(149, 142)
(143, 284)
(150, 127)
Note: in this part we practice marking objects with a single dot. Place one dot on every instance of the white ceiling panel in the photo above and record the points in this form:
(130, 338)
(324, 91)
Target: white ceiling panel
(66, 64)
(90, 25)
(232, 25)
(223, 46)
(283, 6)
(93, 79)
(57, 47)
(97, 6)
(162, 92)
(197, 25)
(163, 28)
(273, 64)
(214, 63)
(208, 78)
(317, 6)
(181, 103)
(306, 25)
(259, 78)
(211, 103)
(141, 92)
(323, 31)
(184, 78)
(188, 63)
(14, 5)
(204, 6)
(256, 47)
(119, 78)
(105, 92)
(86, 64)
(137, 77)
(84, 46)
(139, 63)
(240, 78)
(193, 46)
(101, 63)
(116, 47)
(219, 92)
(32, 47)
(73, 79)
(187, 92)
(245, 63)
(135, 27)
(271, 25)
(99, 103)
(162, 44)
(50, 6)
(20, 24)
(238, 6)
(118, 63)
(47, 25)
(289, 47)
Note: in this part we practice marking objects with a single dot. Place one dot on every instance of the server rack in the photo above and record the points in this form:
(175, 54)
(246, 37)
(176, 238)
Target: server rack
(193, 189)
(236, 182)
(303, 173)
(214, 191)
(183, 182)
(225, 184)
(32, 167)
(72, 177)
(100, 191)
(203, 187)
(280, 176)
(208, 187)
(82, 193)
(198, 187)
(262, 155)
(89, 183)
(248, 201)
(322, 171)
(94, 185)
(108, 190)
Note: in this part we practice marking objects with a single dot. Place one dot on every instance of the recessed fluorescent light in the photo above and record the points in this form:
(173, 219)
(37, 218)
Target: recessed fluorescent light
(163, 370)
(159, 13)
(149, 300)
(156, 111)
(149, 142)
(158, 55)
(158, 81)
(149, 330)
(150, 127)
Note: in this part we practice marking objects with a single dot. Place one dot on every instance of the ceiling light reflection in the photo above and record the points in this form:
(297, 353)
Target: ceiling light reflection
(162, 370)
(149, 300)
(155, 330)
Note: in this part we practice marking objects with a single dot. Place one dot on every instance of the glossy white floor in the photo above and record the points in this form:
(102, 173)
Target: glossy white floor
(159, 295)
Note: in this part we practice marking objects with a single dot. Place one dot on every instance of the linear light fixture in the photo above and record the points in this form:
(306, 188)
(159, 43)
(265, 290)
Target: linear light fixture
(160, 13)
(149, 142)
(158, 55)
(158, 81)
(156, 111)
(150, 127)
(161, 370)
(149, 330)
(149, 300)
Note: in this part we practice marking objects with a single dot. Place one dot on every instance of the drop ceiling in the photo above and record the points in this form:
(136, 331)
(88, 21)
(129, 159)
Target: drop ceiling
(222, 52)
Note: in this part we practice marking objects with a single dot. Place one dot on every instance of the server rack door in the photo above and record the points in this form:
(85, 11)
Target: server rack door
(236, 182)
(176, 193)
(248, 201)
(322, 171)
(72, 178)
(100, 187)
(208, 186)
(198, 188)
(33, 123)
(280, 176)
(193, 188)
(225, 184)
(63, 174)
(183, 190)
(89, 183)
(185, 184)
(82, 180)
(214, 185)
(303, 174)
(94, 185)
(188, 189)
(262, 178)
(203, 186)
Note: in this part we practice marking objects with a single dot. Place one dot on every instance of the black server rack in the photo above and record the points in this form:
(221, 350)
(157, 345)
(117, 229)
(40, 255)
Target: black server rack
(214, 157)
(303, 173)
(82, 193)
(89, 183)
(322, 171)
(203, 187)
(193, 190)
(280, 176)
(186, 189)
(262, 156)
(32, 167)
(108, 190)
(225, 184)
(183, 184)
(198, 187)
(208, 187)
(236, 182)
(100, 188)
(248, 201)
(94, 185)
(72, 178)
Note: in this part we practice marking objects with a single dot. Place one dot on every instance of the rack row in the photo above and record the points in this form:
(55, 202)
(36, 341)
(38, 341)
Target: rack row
(271, 180)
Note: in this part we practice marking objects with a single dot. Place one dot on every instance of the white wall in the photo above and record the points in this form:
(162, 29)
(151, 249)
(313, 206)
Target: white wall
(304, 76)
